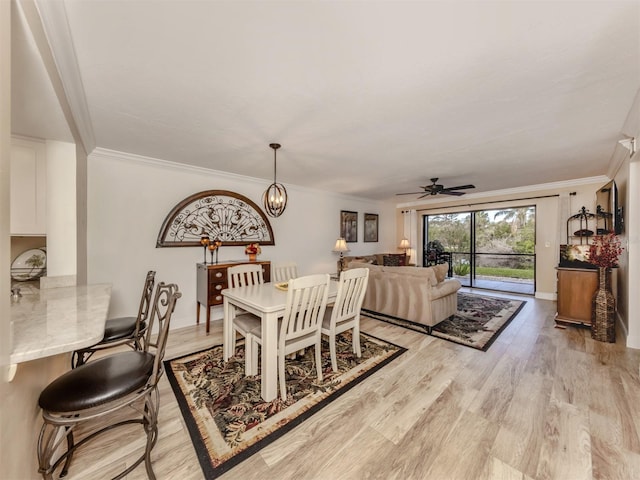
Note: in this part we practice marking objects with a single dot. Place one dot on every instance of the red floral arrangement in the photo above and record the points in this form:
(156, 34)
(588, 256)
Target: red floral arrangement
(605, 251)
(252, 249)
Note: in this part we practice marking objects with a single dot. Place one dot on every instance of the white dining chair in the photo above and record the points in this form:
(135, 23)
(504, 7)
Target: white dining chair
(344, 314)
(299, 327)
(243, 322)
(283, 272)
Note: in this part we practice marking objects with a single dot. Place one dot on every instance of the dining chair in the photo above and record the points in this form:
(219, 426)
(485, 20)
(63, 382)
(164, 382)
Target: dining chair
(96, 397)
(283, 272)
(118, 331)
(344, 314)
(240, 276)
(299, 328)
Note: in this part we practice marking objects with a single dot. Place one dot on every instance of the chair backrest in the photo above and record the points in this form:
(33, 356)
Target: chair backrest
(161, 310)
(243, 275)
(283, 272)
(145, 303)
(304, 311)
(352, 287)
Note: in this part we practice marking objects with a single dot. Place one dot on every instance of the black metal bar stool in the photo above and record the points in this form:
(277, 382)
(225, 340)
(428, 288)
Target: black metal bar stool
(104, 386)
(122, 330)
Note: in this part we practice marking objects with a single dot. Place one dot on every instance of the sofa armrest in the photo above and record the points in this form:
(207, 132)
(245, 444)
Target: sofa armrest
(447, 287)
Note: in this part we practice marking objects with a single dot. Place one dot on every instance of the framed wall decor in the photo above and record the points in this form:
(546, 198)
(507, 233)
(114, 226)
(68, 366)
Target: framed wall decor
(229, 217)
(370, 227)
(349, 226)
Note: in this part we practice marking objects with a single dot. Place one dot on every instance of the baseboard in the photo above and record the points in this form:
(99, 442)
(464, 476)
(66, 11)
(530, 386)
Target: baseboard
(190, 320)
(547, 296)
(623, 327)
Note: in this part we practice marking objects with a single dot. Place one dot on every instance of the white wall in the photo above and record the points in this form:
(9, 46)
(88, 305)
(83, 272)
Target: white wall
(61, 208)
(629, 177)
(130, 196)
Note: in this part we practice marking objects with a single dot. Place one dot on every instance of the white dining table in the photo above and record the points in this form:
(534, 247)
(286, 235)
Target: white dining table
(267, 302)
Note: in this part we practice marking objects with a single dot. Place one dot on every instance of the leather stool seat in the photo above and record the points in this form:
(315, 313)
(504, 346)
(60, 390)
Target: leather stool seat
(130, 331)
(98, 382)
(118, 328)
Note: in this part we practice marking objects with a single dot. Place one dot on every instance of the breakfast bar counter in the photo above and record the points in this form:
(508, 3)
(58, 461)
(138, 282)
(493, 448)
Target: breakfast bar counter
(58, 320)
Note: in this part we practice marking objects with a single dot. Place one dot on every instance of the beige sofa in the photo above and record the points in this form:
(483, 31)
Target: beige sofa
(420, 295)
(376, 258)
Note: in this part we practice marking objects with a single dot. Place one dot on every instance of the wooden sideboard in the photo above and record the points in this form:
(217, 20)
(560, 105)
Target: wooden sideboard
(212, 279)
(576, 287)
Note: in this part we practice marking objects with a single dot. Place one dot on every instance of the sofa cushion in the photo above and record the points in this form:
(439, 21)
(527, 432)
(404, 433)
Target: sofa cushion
(370, 266)
(373, 259)
(441, 271)
(393, 260)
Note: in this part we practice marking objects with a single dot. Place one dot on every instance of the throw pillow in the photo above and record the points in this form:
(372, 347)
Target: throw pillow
(364, 260)
(441, 271)
(393, 260)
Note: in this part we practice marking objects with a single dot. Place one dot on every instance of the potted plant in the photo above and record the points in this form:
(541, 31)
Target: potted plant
(253, 250)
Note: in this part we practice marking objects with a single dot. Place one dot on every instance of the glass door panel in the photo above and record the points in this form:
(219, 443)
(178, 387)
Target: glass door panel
(492, 249)
(453, 234)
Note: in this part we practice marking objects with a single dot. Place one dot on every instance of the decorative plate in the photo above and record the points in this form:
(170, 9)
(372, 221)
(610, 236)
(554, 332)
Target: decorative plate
(29, 265)
(282, 286)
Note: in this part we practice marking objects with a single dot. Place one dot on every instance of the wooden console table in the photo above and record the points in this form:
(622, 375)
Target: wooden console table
(576, 287)
(212, 279)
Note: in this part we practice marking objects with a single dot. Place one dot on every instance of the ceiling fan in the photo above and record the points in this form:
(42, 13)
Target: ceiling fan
(437, 189)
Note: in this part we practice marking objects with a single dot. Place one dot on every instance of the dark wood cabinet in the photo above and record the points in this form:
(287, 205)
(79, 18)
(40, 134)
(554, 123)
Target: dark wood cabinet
(576, 287)
(212, 279)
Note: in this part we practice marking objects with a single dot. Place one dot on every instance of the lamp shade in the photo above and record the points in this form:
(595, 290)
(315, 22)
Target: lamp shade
(404, 243)
(341, 245)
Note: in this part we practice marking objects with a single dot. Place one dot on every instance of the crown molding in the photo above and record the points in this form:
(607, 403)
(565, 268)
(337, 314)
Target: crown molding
(105, 153)
(553, 186)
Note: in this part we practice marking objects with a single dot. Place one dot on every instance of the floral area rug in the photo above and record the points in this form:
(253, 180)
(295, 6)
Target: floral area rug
(227, 419)
(477, 323)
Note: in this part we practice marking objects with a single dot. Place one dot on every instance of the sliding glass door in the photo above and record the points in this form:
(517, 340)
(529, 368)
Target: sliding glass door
(492, 249)
(453, 232)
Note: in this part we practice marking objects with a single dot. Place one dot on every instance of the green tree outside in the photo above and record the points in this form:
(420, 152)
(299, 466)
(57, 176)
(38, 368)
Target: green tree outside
(506, 231)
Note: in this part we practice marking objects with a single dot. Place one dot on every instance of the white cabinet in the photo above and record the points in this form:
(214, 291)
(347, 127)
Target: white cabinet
(28, 187)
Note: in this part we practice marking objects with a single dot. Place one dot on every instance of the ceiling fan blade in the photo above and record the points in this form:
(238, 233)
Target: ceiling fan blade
(436, 189)
(461, 187)
(422, 196)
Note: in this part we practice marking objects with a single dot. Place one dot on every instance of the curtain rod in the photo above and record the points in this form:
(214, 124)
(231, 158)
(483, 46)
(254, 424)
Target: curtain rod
(483, 203)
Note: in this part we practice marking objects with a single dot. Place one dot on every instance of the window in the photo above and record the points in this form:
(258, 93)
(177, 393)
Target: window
(492, 249)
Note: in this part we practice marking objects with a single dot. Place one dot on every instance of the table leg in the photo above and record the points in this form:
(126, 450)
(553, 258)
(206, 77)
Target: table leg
(269, 355)
(208, 318)
(198, 313)
(227, 331)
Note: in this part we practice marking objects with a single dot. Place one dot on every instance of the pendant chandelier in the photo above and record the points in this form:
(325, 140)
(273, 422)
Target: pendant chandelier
(275, 197)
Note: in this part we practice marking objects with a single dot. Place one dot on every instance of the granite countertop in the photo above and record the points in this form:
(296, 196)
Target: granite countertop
(58, 320)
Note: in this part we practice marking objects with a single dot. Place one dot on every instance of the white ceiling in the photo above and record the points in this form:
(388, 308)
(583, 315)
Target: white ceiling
(366, 98)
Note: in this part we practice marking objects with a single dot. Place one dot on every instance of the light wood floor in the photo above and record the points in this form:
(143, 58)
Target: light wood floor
(541, 403)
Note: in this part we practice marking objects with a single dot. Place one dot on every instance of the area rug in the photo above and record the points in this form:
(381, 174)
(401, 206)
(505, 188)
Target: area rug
(477, 323)
(227, 419)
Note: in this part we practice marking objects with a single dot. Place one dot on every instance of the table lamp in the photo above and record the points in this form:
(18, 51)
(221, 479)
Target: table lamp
(404, 245)
(341, 246)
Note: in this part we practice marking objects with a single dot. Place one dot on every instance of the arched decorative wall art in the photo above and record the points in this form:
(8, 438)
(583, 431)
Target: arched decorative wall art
(226, 216)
